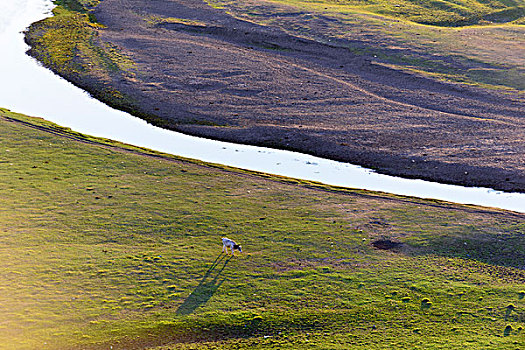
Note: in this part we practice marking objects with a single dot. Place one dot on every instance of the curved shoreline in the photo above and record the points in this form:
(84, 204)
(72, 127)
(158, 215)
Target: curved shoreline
(306, 168)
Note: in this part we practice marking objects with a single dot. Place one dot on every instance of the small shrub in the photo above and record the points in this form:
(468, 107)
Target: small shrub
(255, 321)
(426, 303)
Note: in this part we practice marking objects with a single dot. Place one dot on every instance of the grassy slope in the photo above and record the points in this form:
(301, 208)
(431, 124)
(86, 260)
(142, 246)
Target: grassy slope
(471, 50)
(119, 246)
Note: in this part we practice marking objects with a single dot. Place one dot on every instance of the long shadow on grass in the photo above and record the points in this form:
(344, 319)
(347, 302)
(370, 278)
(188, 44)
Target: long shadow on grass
(210, 283)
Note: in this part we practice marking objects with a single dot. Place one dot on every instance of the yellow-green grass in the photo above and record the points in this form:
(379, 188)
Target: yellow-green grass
(69, 40)
(156, 19)
(68, 43)
(83, 6)
(104, 244)
(433, 12)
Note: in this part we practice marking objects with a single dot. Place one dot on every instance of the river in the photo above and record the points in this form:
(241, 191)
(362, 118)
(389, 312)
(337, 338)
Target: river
(26, 87)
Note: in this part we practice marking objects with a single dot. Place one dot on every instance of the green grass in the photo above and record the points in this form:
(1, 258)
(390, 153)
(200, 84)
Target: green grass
(104, 244)
(433, 12)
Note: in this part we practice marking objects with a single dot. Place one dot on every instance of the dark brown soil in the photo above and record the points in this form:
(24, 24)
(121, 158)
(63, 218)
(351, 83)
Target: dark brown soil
(386, 244)
(220, 77)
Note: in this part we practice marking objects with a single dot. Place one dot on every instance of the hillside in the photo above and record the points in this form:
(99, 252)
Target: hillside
(108, 246)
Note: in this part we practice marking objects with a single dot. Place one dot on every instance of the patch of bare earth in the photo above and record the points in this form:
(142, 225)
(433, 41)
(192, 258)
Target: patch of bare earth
(209, 74)
(386, 244)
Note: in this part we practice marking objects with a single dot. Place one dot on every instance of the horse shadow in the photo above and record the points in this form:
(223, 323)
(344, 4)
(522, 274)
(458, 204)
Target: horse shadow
(207, 287)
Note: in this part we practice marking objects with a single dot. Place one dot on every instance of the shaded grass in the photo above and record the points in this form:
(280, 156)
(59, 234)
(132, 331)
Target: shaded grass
(104, 244)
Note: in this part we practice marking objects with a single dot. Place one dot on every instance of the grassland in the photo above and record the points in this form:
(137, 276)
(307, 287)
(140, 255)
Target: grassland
(106, 245)
(103, 244)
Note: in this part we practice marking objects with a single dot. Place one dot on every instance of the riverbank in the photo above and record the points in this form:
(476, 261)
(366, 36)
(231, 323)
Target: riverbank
(142, 269)
(192, 68)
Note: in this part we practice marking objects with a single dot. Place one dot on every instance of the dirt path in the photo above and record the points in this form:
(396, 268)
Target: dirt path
(213, 75)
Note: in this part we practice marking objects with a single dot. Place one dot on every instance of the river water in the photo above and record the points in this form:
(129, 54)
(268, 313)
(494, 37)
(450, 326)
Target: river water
(28, 88)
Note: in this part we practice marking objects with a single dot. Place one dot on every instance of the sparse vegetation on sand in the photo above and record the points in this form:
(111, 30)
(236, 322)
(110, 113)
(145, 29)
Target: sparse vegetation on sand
(107, 245)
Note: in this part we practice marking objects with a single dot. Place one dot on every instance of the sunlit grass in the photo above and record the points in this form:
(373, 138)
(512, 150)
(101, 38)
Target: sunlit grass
(101, 245)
